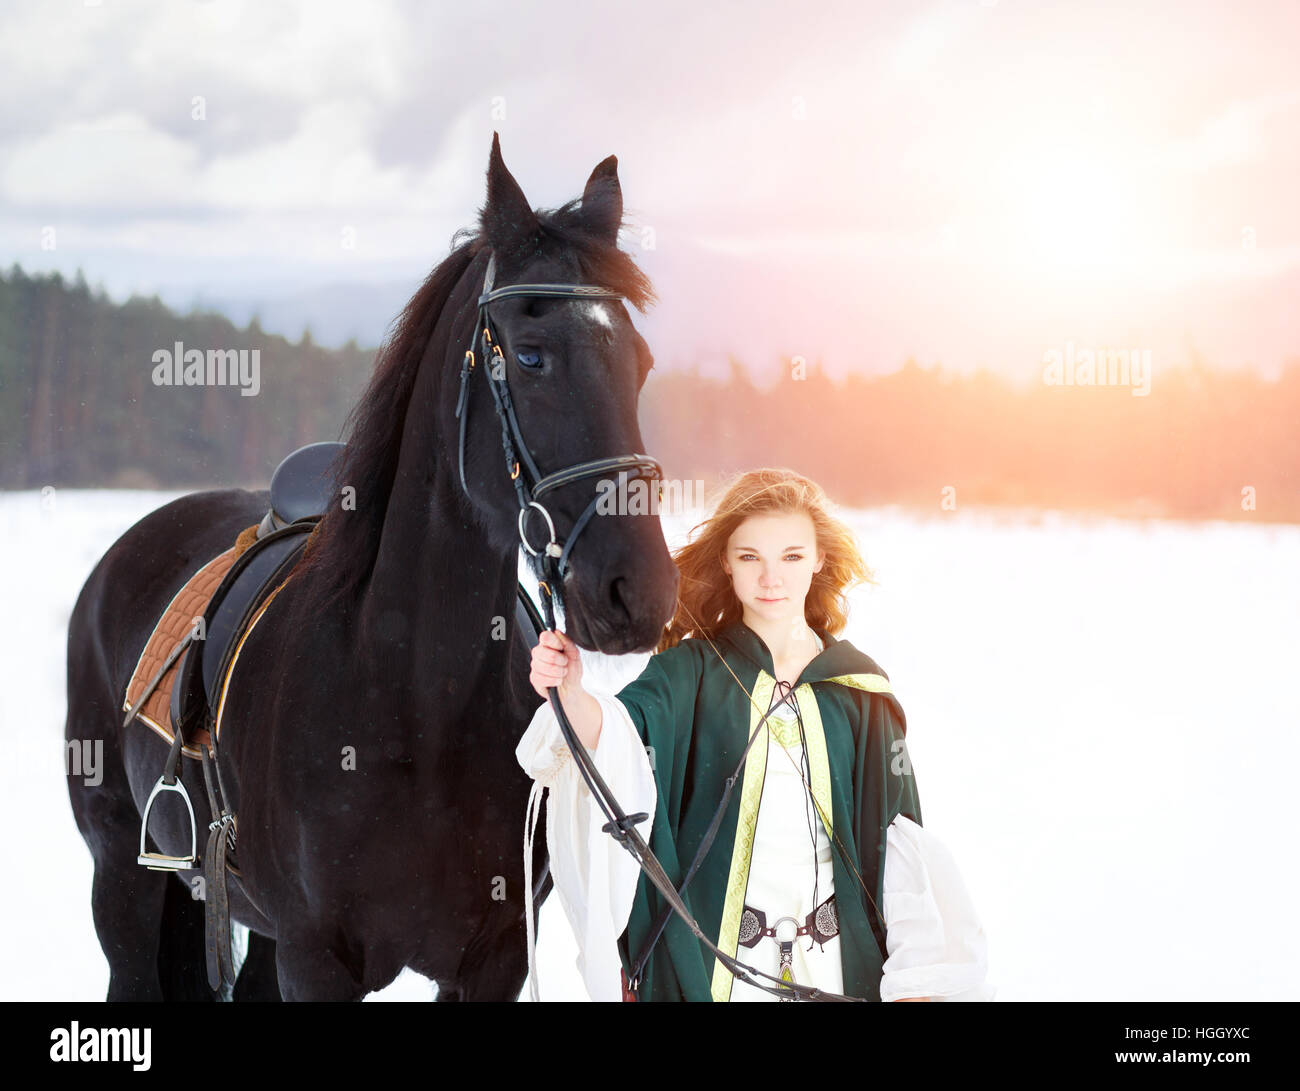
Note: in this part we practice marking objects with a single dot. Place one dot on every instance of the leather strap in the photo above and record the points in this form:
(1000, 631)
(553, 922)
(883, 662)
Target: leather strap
(158, 677)
(216, 936)
(216, 917)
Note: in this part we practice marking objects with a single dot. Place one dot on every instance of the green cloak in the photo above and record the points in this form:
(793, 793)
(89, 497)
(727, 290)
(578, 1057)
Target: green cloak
(695, 721)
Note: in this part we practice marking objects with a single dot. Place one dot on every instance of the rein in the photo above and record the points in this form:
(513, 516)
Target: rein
(621, 827)
(550, 565)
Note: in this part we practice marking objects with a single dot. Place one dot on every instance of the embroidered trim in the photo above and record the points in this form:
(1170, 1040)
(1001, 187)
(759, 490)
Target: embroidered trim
(818, 761)
(872, 683)
(751, 792)
(785, 731)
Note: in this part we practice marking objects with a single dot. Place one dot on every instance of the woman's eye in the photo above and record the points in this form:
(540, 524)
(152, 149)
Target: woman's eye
(529, 359)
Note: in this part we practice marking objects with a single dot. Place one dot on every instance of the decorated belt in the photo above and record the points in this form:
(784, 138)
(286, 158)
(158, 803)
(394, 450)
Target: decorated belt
(822, 924)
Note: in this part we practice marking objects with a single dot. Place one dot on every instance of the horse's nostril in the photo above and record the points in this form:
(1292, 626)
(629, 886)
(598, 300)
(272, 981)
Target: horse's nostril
(616, 595)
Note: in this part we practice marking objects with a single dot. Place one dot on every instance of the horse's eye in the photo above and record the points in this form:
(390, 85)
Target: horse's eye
(529, 359)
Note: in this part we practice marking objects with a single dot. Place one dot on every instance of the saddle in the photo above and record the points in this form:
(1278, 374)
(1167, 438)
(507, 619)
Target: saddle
(186, 663)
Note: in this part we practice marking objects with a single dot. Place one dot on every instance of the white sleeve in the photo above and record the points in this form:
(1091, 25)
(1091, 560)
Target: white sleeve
(936, 944)
(595, 877)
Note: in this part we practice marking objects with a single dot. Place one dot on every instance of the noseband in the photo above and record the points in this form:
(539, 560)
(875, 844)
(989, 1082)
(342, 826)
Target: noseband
(551, 562)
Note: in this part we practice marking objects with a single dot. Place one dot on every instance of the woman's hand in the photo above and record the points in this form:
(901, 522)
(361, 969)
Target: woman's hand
(556, 662)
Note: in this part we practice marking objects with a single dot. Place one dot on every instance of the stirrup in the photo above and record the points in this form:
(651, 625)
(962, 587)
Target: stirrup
(158, 861)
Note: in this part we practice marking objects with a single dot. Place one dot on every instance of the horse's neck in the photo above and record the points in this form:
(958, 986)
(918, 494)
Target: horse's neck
(439, 577)
(439, 589)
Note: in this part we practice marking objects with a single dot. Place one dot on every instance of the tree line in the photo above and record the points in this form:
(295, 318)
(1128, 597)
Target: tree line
(80, 406)
(1204, 443)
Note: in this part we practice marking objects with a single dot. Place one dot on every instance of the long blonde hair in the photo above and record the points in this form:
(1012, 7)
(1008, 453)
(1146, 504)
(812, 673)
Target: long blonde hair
(705, 594)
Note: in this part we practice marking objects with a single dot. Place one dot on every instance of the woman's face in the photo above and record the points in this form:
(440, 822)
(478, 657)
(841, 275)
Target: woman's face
(771, 559)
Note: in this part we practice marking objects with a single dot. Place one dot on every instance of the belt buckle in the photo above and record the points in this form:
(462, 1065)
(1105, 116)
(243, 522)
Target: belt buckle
(776, 924)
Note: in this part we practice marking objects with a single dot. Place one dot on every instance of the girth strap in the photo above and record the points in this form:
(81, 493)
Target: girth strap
(216, 917)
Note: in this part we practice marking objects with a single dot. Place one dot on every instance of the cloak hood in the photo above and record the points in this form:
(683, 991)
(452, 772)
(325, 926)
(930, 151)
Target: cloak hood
(839, 661)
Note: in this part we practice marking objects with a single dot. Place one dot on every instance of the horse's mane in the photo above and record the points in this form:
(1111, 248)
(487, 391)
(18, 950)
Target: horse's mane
(342, 551)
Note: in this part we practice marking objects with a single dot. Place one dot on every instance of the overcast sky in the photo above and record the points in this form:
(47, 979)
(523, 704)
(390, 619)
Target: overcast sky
(966, 182)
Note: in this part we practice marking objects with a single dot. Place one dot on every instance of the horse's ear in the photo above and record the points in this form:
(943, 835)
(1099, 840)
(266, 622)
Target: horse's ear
(602, 201)
(506, 220)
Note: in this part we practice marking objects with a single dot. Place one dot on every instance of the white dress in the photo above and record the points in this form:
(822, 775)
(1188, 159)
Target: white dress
(936, 945)
(781, 869)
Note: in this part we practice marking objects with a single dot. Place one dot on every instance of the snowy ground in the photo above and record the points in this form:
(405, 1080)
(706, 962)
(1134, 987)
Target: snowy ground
(1102, 716)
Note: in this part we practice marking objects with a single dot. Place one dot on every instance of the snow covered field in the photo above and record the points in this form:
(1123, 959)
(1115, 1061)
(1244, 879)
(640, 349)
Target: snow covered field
(1103, 718)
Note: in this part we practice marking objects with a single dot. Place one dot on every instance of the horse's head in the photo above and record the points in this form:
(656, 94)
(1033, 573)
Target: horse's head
(572, 369)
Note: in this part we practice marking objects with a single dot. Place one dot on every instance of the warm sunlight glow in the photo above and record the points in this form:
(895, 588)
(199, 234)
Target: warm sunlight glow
(1077, 211)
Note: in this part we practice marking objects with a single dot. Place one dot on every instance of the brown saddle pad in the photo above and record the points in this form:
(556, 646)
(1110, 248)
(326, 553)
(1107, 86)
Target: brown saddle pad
(188, 604)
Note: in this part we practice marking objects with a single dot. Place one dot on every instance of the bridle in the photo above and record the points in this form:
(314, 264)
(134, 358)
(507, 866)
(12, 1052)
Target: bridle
(551, 564)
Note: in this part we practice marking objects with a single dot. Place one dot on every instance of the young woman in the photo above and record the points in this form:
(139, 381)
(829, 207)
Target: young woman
(820, 871)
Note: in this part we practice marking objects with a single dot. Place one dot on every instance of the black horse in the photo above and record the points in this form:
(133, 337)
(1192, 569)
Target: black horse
(388, 639)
